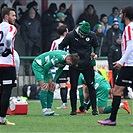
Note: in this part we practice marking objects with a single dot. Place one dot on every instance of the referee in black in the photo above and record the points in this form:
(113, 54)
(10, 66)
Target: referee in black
(81, 40)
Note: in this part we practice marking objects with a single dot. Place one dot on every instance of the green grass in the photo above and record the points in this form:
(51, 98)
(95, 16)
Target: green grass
(34, 122)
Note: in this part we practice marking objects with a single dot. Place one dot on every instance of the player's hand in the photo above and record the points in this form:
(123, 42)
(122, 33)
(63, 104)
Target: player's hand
(117, 65)
(95, 57)
(6, 52)
(52, 87)
(44, 86)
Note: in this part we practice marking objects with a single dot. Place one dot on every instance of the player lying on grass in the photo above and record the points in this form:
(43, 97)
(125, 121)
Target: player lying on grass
(102, 92)
(42, 69)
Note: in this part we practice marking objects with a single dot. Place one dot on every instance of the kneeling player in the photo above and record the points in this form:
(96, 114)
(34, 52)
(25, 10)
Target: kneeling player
(102, 91)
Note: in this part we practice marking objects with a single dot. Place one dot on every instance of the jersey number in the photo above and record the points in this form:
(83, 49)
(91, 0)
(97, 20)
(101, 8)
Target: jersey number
(1, 37)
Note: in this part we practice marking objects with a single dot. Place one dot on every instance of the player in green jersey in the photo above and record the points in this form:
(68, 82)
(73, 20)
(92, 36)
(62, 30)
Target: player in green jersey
(102, 91)
(42, 69)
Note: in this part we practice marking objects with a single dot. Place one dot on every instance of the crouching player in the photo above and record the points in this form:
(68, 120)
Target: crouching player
(42, 69)
(102, 91)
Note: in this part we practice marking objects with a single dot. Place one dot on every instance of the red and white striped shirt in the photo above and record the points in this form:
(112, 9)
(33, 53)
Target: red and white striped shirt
(127, 46)
(7, 32)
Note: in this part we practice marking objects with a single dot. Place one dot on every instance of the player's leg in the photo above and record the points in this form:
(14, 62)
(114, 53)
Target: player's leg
(89, 78)
(124, 79)
(38, 71)
(7, 82)
(50, 95)
(74, 75)
(63, 94)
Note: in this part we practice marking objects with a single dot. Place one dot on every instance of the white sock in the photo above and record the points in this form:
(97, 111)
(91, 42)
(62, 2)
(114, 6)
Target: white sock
(3, 119)
(44, 109)
(121, 105)
(64, 104)
(49, 109)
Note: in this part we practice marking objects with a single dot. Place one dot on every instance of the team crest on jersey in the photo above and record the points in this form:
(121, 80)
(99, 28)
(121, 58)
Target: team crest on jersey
(87, 39)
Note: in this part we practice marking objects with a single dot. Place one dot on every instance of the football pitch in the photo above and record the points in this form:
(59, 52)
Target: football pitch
(82, 123)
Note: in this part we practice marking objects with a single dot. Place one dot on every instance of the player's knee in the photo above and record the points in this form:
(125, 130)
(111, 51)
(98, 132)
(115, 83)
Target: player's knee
(101, 110)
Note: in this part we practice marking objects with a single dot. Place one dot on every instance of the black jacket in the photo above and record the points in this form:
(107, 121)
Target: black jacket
(103, 50)
(82, 46)
(114, 54)
(31, 31)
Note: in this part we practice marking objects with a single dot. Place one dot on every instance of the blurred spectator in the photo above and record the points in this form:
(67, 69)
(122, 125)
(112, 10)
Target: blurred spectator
(55, 34)
(61, 17)
(114, 55)
(89, 15)
(1, 8)
(15, 4)
(104, 23)
(30, 30)
(103, 50)
(112, 33)
(113, 15)
(69, 21)
(48, 21)
(30, 5)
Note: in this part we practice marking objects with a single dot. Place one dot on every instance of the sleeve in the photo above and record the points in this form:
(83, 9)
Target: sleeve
(58, 72)
(53, 46)
(47, 67)
(128, 33)
(50, 64)
(17, 62)
(10, 36)
(65, 42)
(128, 51)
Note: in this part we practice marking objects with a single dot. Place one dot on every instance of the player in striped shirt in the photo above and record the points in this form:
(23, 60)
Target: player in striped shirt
(7, 62)
(125, 64)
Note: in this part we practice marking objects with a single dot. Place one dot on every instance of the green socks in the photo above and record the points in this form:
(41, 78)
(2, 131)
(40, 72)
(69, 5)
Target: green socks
(43, 98)
(50, 97)
(81, 96)
(107, 110)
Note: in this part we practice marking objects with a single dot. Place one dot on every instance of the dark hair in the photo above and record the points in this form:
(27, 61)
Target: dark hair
(31, 4)
(92, 6)
(102, 16)
(53, 7)
(75, 59)
(128, 11)
(3, 5)
(62, 5)
(114, 8)
(6, 11)
(62, 29)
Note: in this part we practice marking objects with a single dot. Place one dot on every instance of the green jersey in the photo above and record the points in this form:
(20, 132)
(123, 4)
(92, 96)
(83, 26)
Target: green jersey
(101, 85)
(48, 60)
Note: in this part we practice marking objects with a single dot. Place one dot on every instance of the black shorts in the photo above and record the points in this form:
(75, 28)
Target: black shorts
(7, 76)
(125, 76)
(63, 77)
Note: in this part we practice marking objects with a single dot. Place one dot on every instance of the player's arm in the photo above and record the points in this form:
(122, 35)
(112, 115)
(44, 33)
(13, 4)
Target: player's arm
(47, 67)
(53, 46)
(65, 42)
(17, 62)
(9, 39)
(128, 51)
(80, 83)
(58, 72)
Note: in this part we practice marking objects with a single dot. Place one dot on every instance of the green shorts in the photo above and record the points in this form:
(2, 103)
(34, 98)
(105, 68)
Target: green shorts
(39, 73)
(102, 96)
